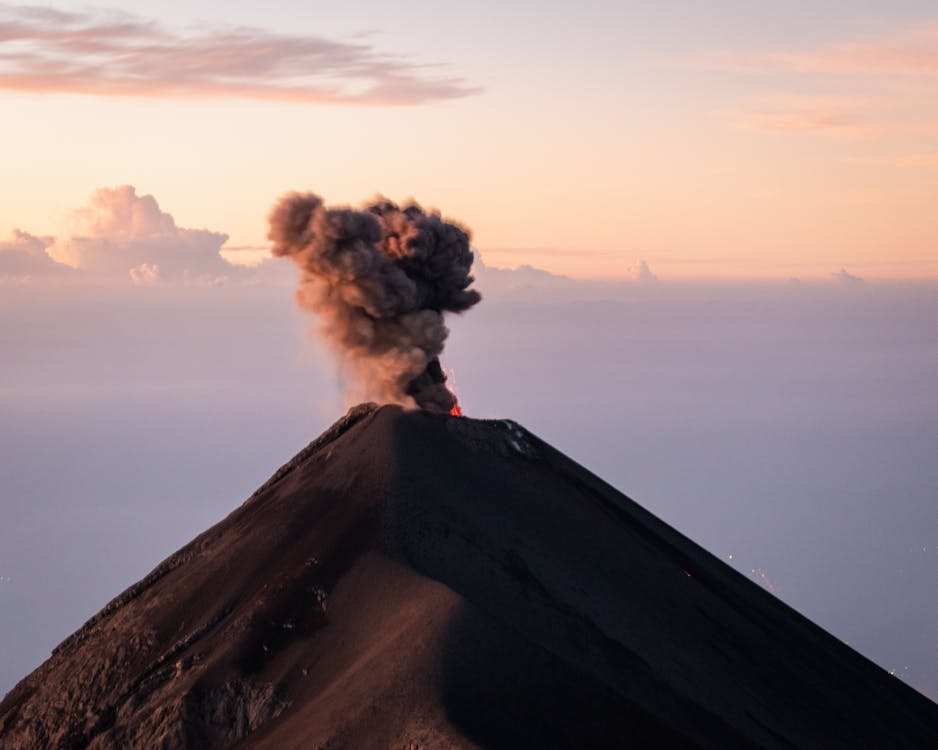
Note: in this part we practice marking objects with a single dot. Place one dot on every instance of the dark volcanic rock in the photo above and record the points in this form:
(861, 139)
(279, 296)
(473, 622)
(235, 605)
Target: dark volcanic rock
(413, 580)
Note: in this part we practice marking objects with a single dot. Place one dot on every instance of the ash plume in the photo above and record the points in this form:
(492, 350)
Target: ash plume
(379, 279)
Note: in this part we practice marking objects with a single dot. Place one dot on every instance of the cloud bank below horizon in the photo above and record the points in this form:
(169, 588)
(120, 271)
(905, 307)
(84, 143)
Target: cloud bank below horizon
(122, 237)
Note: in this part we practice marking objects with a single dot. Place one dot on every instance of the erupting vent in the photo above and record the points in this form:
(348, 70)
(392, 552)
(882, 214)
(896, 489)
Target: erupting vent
(380, 280)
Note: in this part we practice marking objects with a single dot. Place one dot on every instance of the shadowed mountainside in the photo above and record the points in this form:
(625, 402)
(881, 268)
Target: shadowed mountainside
(415, 580)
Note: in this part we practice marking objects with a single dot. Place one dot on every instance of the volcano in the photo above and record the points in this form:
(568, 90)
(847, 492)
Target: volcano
(418, 580)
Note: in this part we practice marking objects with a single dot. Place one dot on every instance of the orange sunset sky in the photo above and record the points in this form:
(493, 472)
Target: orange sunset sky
(726, 139)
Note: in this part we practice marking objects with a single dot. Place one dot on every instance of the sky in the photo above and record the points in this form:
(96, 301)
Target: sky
(718, 140)
(706, 243)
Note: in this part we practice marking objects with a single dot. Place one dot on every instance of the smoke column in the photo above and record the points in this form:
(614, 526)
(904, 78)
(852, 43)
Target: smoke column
(380, 280)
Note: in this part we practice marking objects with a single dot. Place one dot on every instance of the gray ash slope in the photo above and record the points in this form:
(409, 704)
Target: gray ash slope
(414, 580)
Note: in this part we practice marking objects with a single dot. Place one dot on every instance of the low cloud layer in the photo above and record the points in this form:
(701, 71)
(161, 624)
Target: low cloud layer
(123, 238)
(793, 427)
(119, 54)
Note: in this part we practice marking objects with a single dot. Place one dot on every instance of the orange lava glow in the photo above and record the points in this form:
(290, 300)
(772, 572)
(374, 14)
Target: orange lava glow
(450, 378)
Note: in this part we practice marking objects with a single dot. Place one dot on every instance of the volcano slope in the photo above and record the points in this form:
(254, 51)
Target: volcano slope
(415, 580)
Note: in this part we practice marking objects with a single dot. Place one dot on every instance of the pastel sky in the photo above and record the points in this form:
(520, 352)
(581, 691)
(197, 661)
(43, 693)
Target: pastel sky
(720, 139)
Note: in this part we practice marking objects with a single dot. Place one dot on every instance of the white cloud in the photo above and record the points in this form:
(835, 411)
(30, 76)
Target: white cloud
(146, 274)
(121, 233)
(189, 279)
(641, 272)
(513, 281)
(24, 256)
(845, 277)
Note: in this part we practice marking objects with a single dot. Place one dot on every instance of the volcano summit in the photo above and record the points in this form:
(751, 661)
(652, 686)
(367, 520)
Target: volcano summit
(416, 580)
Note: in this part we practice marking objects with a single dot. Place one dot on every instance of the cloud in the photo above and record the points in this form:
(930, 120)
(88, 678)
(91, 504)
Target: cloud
(119, 54)
(913, 52)
(920, 160)
(146, 274)
(24, 255)
(121, 233)
(845, 277)
(827, 115)
(190, 279)
(641, 272)
(905, 64)
(512, 281)
(248, 256)
(799, 121)
(909, 53)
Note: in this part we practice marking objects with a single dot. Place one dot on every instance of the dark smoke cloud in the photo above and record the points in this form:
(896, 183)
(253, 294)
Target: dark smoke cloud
(380, 280)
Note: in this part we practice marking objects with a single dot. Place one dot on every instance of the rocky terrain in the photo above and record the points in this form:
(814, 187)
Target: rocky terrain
(416, 580)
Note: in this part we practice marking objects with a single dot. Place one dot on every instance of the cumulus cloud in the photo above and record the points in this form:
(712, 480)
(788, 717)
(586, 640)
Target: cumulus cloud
(845, 277)
(189, 279)
(146, 274)
(24, 255)
(514, 281)
(124, 234)
(119, 54)
(641, 272)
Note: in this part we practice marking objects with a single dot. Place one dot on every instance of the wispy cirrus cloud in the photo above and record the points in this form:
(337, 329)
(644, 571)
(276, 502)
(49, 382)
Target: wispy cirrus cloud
(113, 53)
(909, 56)
(800, 121)
(911, 52)
(918, 160)
(834, 116)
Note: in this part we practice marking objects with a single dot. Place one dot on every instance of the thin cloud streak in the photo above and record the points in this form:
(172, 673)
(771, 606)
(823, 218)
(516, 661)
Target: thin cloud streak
(912, 53)
(110, 53)
(908, 57)
(802, 121)
(834, 116)
(922, 160)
